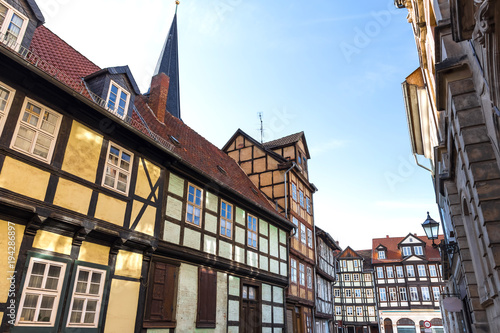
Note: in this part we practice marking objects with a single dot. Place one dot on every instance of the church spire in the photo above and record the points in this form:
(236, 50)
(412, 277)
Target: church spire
(168, 63)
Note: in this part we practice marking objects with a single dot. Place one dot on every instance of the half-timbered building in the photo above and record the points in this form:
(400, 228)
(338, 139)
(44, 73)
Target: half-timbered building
(326, 247)
(354, 293)
(279, 169)
(115, 216)
(409, 283)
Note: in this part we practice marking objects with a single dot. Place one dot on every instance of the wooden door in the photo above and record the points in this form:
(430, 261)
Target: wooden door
(250, 310)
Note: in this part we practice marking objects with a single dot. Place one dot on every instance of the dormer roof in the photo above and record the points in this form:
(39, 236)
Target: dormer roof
(125, 70)
(36, 11)
(410, 240)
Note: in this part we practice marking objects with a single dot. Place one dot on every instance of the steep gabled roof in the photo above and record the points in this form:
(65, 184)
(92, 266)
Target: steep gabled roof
(393, 253)
(287, 141)
(52, 49)
(325, 235)
(168, 63)
(367, 256)
(349, 253)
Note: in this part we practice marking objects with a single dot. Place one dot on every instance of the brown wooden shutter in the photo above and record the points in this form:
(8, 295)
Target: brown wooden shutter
(207, 298)
(162, 294)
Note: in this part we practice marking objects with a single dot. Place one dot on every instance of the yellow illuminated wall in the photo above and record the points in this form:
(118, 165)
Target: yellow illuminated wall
(24, 179)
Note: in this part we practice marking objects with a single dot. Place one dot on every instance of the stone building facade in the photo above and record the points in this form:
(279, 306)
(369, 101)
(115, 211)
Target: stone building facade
(452, 104)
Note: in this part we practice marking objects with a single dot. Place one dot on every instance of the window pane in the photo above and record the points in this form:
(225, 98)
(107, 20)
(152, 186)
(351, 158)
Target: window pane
(4, 94)
(3, 12)
(49, 122)
(114, 154)
(24, 138)
(110, 177)
(31, 114)
(125, 162)
(42, 146)
(36, 277)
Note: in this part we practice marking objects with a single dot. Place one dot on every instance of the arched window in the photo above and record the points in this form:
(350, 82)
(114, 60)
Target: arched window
(406, 325)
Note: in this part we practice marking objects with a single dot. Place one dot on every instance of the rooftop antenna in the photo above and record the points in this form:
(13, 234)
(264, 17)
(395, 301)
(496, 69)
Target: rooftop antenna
(261, 128)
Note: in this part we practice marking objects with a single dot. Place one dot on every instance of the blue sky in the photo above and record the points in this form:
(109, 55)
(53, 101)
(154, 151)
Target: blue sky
(332, 69)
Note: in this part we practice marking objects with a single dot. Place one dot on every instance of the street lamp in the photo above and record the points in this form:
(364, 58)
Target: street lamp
(431, 229)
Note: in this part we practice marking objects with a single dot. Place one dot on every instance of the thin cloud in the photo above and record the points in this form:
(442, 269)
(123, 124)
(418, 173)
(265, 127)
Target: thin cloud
(328, 146)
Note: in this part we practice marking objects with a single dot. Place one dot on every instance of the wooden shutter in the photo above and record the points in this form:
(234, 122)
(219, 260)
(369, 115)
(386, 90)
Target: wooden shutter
(162, 294)
(207, 298)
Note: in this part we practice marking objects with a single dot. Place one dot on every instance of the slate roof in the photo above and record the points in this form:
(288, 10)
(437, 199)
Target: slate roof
(194, 150)
(367, 256)
(393, 254)
(168, 63)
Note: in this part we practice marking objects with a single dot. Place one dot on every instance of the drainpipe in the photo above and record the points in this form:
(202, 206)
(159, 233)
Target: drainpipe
(286, 191)
(420, 165)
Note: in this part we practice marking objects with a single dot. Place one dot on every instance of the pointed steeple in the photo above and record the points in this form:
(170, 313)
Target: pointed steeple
(168, 63)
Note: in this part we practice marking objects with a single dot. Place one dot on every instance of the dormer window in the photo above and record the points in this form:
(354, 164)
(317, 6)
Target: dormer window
(118, 99)
(381, 254)
(12, 25)
(418, 250)
(406, 251)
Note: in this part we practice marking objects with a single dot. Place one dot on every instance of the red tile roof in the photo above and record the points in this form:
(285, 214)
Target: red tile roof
(393, 254)
(194, 150)
(284, 141)
(60, 54)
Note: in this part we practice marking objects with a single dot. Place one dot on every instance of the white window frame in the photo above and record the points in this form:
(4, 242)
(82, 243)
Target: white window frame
(421, 270)
(41, 292)
(413, 294)
(347, 277)
(87, 296)
(336, 292)
(309, 277)
(381, 254)
(355, 277)
(426, 296)
(303, 236)
(369, 293)
(393, 296)
(338, 311)
(432, 271)
(294, 192)
(382, 294)
(302, 274)
(308, 205)
(37, 129)
(403, 296)
(252, 239)
(348, 293)
(380, 272)
(371, 311)
(359, 311)
(406, 251)
(349, 311)
(293, 270)
(367, 277)
(389, 272)
(410, 271)
(301, 198)
(296, 223)
(226, 221)
(309, 238)
(118, 168)
(117, 102)
(193, 206)
(436, 292)
(399, 272)
(8, 104)
(357, 293)
(5, 25)
(418, 250)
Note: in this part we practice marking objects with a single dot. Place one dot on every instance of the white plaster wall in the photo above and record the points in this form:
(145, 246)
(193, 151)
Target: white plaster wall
(187, 300)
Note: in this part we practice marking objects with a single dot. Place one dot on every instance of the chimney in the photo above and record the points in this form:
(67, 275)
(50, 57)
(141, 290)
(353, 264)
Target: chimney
(158, 95)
